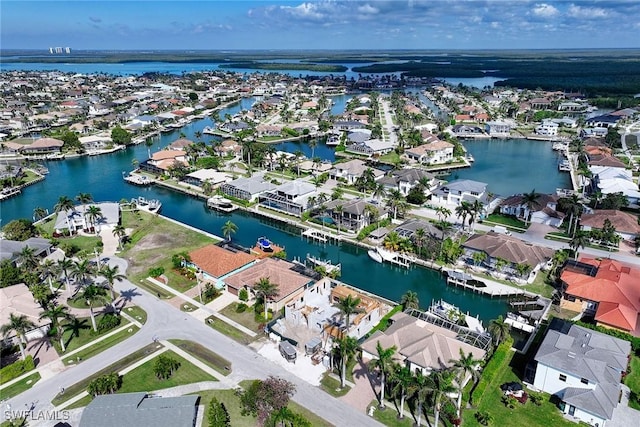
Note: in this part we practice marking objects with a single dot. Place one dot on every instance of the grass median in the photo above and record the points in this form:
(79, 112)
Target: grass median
(20, 386)
(228, 330)
(204, 355)
(101, 346)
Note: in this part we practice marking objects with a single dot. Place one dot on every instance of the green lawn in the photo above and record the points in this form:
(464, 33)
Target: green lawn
(632, 380)
(153, 242)
(101, 346)
(389, 416)
(83, 335)
(332, 386)
(232, 403)
(228, 330)
(142, 378)
(205, 355)
(529, 415)
(80, 386)
(155, 289)
(246, 318)
(506, 220)
(20, 386)
(137, 313)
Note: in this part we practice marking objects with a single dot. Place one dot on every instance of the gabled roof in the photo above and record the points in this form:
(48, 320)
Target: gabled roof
(217, 261)
(622, 221)
(465, 185)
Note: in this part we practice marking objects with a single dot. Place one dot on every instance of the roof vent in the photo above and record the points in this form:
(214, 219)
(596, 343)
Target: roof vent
(571, 355)
(583, 345)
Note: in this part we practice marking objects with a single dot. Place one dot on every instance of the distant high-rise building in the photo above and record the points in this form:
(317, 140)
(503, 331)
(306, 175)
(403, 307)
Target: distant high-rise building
(55, 50)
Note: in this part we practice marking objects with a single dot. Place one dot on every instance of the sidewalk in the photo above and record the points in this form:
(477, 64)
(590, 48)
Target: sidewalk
(197, 362)
(202, 308)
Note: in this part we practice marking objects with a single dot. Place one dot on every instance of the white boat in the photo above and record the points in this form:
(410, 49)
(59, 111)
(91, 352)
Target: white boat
(374, 255)
(564, 166)
(221, 204)
(151, 205)
(209, 130)
(333, 140)
(518, 322)
(453, 314)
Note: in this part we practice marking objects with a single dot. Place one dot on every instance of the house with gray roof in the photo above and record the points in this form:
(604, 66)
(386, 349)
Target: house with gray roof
(247, 188)
(404, 180)
(353, 215)
(140, 410)
(76, 219)
(9, 249)
(584, 369)
(352, 170)
(291, 197)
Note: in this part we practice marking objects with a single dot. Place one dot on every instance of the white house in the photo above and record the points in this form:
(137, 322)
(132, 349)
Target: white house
(547, 128)
(352, 170)
(433, 153)
(542, 211)
(583, 368)
(455, 192)
(495, 128)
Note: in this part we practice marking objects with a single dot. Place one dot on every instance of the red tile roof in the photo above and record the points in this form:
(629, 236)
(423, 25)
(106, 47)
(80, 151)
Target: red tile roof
(616, 287)
(217, 261)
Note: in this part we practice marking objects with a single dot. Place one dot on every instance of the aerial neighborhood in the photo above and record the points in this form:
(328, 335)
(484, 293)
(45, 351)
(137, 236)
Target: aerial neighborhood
(221, 248)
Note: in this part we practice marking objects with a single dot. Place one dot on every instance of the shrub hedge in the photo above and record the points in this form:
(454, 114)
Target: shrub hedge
(495, 366)
(16, 369)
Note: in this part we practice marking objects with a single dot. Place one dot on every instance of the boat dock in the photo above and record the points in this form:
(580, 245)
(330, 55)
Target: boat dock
(480, 285)
(7, 193)
(320, 236)
(328, 266)
(397, 258)
(138, 180)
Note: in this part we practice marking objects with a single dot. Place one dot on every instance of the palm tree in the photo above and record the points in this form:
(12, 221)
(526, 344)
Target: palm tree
(93, 294)
(443, 213)
(395, 197)
(84, 198)
(498, 329)
(94, 213)
(383, 363)
(111, 274)
(82, 271)
(401, 378)
(39, 213)
(48, 271)
(441, 388)
(463, 210)
(379, 191)
(465, 366)
(228, 229)
(419, 389)
(347, 347)
(266, 290)
(66, 265)
(410, 300)
(479, 258)
(27, 258)
(573, 206)
(55, 313)
(119, 232)
(348, 306)
(530, 200)
(339, 210)
(313, 144)
(21, 324)
(419, 239)
(476, 209)
(579, 240)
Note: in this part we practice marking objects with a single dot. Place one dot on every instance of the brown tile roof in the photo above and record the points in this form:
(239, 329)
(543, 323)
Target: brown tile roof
(278, 271)
(218, 261)
(614, 287)
(167, 154)
(421, 343)
(46, 143)
(605, 160)
(622, 221)
(509, 248)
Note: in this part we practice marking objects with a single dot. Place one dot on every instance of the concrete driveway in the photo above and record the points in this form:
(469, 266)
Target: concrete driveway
(623, 415)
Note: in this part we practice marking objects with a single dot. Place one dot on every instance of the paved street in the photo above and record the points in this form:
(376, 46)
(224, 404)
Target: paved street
(168, 322)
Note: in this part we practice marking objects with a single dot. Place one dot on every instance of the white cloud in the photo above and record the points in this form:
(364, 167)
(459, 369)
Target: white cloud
(304, 11)
(586, 12)
(368, 9)
(544, 10)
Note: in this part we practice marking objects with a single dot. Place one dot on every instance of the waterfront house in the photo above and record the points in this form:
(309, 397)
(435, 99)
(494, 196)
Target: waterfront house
(141, 410)
(606, 289)
(542, 211)
(603, 121)
(434, 153)
(348, 125)
(216, 178)
(95, 142)
(463, 131)
(598, 132)
(279, 272)
(371, 147)
(540, 103)
(583, 368)
(508, 250)
(161, 161)
(215, 263)
(75, 219)
(420, 345)
(547, 128)
(626, 224)
(316, 309)
(248, 188)
(455, 192)
(43, 146)
(497, 128)
(228, 147)
(180, 144)
(352, 170)
(409, 228)
(354, 216)
(291, 197)
(404, 180)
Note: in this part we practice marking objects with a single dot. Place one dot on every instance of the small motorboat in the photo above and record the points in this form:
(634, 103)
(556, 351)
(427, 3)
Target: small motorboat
(264, 244)
(374, 255)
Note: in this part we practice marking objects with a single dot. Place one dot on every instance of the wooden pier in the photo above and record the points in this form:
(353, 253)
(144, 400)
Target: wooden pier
(142, 180)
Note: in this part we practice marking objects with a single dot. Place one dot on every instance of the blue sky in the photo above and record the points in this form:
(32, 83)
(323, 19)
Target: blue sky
(334, 24)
